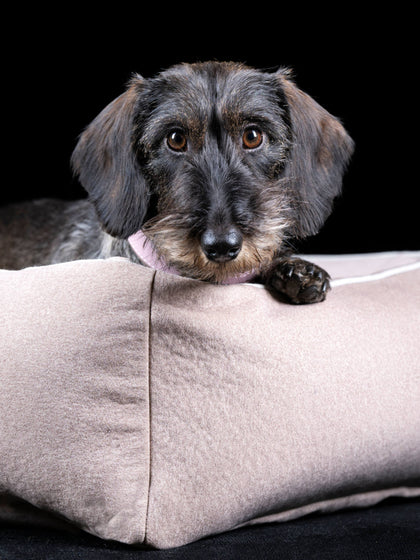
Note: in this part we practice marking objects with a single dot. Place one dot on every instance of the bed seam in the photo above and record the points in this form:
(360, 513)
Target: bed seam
(149, 398)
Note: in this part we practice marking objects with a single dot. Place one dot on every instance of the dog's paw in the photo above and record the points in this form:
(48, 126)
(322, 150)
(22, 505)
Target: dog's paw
(298, 281)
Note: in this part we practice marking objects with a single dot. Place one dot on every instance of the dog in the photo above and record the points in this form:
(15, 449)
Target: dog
(209, 170)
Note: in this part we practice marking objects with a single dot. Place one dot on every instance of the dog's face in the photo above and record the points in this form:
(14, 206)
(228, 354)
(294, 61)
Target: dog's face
(218, 163)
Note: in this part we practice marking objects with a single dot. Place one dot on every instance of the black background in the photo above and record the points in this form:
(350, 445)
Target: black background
(61, 69)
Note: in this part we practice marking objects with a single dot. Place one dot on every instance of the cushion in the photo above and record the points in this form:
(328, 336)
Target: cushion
(153, 409)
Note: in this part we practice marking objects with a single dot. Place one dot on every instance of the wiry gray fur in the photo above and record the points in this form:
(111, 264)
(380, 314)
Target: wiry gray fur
(212, 204)
(50, 231)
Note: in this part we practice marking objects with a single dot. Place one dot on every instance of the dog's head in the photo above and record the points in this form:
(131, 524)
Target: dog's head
(218, 163)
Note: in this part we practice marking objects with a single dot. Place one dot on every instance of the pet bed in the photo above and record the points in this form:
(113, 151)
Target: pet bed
(152, 409)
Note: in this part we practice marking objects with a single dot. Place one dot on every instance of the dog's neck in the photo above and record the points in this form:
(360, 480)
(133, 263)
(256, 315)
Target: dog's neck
(148, 255)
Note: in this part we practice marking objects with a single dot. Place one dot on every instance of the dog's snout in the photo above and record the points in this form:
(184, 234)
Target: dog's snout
(221, 246)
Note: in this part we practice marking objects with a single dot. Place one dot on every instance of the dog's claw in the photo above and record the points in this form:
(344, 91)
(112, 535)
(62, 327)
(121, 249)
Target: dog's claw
(298, 281)
(289, 271)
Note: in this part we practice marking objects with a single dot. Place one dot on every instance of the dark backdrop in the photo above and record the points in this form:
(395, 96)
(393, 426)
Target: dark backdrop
(60, 70)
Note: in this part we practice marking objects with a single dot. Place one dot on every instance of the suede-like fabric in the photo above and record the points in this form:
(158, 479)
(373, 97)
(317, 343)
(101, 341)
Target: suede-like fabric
(149, 408)
(74, 402)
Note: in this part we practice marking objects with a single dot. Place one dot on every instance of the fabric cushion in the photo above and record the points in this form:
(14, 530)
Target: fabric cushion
(148, 408)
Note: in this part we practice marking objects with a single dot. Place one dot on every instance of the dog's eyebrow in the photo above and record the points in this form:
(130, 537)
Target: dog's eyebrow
(157, 128)
(244, 118)
(255, 117)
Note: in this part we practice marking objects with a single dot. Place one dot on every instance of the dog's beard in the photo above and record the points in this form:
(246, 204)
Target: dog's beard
(175, 243)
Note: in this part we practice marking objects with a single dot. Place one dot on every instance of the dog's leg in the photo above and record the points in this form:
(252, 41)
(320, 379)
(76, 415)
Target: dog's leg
(297, 280)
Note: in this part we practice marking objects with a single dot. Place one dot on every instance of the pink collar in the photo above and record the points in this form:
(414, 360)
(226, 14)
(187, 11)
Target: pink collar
(148, 255)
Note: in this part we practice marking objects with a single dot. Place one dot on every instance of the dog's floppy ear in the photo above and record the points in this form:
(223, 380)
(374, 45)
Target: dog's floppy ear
(107, 167)
(320, 151)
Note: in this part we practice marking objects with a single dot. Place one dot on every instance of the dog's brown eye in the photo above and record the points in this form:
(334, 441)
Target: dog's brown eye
(177, 141)
(252, 138)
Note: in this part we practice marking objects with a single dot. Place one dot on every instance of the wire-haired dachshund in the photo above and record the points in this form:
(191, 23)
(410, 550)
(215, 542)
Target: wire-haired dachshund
(208, 170)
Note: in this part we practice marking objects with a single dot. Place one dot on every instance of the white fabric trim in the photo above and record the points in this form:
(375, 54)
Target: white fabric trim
(375, 276)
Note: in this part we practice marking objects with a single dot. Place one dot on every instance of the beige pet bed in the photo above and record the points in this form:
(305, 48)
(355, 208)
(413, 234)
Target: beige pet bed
(153, 409)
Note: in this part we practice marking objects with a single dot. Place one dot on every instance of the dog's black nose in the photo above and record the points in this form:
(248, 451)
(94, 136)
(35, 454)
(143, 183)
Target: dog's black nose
(221, 247)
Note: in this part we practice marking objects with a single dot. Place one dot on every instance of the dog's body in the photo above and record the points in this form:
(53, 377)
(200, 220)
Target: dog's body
(219, 165)
(49, 231)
